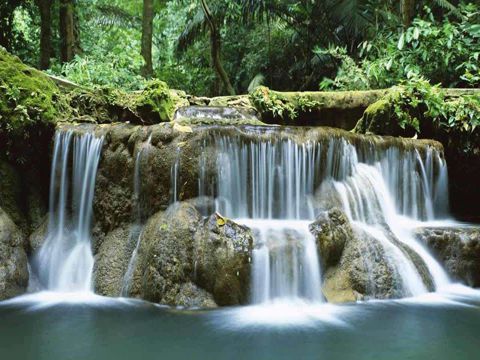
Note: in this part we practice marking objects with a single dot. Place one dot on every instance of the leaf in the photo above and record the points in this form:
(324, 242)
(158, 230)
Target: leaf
(416, 33)
(401, 41)
(220, 219)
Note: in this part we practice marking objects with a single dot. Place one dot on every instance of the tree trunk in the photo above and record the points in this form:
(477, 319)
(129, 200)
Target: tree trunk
(68, 41)
(45, 7)
(7, 9)
(215, 47)
(147, 34)
(407, 8)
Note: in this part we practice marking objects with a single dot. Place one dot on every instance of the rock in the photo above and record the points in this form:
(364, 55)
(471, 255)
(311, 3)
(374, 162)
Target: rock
(37, 238)
(354, 262)
(340, 109)
(112, 260)
(13, 259)
(458, 249)
(222, 255)
(184, 260)
(165, 254)
(332, 231)
(191, 296)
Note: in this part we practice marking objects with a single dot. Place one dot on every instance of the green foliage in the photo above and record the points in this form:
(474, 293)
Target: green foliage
(445, 52)
(415, 105)
(282, 105)
(120, 70)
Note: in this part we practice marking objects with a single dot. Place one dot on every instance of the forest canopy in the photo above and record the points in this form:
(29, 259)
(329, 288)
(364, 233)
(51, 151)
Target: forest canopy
(221, 47)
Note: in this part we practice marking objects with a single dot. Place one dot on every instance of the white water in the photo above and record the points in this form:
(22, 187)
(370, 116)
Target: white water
(369, 197)
(268, 187)
(268, 182)
(65, 260)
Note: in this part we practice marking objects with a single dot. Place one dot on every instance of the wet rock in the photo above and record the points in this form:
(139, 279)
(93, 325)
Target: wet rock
(165, 254)
(112, 260)
(458, 249)
(184, 260)
(354, 262)
(191, 296)
(222, 256)
(13, 259)
(332, 231)
(38, 237)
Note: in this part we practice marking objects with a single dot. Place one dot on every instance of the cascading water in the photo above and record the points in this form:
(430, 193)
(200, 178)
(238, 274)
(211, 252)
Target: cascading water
(270, 181)
(386, 195)
(137, 227)
(65, 260)
(267, 186)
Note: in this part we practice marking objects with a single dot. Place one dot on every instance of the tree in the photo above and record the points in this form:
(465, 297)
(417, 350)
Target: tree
(7, 9)
(68, 35)
(45, 8)
(147, 34)
(407, 8)
(215, 47)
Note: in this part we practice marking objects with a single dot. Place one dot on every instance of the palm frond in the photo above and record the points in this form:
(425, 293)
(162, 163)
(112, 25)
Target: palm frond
(111, 15)
(193, 30)
(197, 26)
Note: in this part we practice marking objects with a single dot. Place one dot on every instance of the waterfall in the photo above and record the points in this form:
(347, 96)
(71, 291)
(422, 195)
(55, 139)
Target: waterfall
(137, 227)
(65, 260)
(270, 180)
(268, 186)
(386, 196)
(174, 176)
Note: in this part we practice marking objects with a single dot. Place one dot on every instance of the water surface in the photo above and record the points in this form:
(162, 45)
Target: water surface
(430, 327)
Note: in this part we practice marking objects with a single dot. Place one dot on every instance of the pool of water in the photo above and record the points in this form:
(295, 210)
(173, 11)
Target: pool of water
(53, 326)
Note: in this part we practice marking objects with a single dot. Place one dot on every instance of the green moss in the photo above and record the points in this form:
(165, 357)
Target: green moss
(308, 108)
(30, 106)
(376, 118)
(156, 99)
(418, 108)
(27, 96)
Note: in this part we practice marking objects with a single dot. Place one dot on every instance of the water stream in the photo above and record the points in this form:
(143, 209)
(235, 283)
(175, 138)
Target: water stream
(65, 261)
(136, 228)
(270, 181)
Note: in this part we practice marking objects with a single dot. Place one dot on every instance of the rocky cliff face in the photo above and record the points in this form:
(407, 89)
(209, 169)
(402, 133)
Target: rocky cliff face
(458, 248)
(13, 259)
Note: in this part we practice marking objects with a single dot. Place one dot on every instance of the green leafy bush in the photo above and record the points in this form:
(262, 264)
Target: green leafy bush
(417, 107)
(445, 52)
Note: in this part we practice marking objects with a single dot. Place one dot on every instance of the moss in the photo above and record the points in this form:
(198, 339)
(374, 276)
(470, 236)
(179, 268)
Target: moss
(30, 105)
(27, 96)
(376, 118)
(332, 108)
(156, 101)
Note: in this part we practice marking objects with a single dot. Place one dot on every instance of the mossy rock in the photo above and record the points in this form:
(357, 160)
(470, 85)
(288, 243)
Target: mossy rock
(156, 102)
(30, 105)
(27, 95)
(340, 109)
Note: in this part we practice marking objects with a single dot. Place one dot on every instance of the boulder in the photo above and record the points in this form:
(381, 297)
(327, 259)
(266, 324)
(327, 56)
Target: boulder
(222, 256)
(184, 260)
(458, 248)
(38, 237)
(111, 261)
(332, 231)
(355, 265)
(13, 259)
(164, 260)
